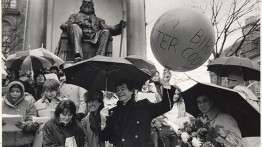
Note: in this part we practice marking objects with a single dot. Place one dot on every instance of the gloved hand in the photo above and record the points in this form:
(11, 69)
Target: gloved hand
(28, 126)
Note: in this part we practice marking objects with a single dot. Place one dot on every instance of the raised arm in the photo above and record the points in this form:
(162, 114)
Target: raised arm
(165, 105)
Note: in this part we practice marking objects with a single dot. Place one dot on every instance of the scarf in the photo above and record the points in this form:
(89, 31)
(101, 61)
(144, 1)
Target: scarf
(95, 122)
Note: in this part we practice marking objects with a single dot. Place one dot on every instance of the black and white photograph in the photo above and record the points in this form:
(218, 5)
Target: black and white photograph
(130, 73)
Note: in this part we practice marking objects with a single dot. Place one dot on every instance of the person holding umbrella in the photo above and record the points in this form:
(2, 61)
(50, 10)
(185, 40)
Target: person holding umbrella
(235, 81)
(229, 133)
(128, 124)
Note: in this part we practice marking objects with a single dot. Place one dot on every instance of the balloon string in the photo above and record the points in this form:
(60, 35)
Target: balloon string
(191, 78)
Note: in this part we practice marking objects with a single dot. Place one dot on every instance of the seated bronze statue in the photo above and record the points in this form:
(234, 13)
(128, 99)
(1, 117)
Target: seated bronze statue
(83, 27)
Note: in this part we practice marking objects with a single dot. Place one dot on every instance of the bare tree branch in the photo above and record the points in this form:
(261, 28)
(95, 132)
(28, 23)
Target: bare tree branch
(225, 22)
(253, 29)
(14, 37)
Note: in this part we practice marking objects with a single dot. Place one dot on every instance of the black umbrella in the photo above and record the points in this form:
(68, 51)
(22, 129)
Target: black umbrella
(103, 73)
(142, 63)
(229, 101)
(225, 66)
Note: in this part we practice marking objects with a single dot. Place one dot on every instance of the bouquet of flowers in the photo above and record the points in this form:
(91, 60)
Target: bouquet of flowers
(199, 134)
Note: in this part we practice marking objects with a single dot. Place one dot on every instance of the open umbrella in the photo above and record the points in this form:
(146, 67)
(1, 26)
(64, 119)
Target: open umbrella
(35, 59)
(142, 63)
(102, 73)
(224, 66)
(229, 101)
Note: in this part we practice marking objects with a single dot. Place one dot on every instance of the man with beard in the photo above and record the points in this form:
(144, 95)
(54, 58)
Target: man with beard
(86, 27)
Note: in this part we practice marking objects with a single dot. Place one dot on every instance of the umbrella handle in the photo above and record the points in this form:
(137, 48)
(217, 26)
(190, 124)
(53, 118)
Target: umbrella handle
(106, 83)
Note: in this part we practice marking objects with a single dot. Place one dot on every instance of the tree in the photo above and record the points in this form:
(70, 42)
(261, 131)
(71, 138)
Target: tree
(12, 27)
(227, 17)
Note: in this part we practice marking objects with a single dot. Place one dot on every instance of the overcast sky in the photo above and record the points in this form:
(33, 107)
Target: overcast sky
(154, 9)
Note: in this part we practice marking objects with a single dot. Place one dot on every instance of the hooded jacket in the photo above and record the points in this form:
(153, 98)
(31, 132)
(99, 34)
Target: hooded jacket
(24, 108)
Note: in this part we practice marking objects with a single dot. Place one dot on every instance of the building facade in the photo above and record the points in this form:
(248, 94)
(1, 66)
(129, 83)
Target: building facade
(30, 24)
(13, 25)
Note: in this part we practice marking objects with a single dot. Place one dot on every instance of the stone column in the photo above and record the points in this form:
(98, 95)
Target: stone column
(36, 20)
(136, 30)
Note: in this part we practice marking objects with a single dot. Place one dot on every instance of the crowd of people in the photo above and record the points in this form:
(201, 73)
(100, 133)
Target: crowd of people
(74, 117)
(129, 117)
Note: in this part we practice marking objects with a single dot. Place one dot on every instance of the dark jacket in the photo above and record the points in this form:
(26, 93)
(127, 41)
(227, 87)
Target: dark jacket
(38, 91)
(55, 133)
(133, 129)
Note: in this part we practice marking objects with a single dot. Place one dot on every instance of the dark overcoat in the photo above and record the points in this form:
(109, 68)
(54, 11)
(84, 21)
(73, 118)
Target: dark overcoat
(135, 128)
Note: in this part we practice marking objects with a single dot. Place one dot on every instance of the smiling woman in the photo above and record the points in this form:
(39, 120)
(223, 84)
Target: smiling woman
(92, 122)
(16, 103)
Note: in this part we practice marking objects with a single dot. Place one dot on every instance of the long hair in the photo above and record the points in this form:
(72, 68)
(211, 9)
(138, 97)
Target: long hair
(67, 105)
(180, 98)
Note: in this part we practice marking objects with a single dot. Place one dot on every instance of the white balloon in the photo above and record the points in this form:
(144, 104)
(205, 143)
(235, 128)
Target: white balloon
(182, 39)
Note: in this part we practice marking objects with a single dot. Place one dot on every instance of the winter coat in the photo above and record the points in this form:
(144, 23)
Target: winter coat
(55, 133)
(24, 108)
(91, 137)
(45, 108)
(133, 130)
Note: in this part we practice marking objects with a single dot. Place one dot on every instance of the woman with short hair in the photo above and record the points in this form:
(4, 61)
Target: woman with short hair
(46, 105)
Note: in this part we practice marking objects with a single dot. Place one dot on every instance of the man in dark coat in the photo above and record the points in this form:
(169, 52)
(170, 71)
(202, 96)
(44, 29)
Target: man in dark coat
(85, 26)
(128, 124)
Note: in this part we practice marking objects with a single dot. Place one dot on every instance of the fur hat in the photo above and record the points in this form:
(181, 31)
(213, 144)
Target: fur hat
(94, 95)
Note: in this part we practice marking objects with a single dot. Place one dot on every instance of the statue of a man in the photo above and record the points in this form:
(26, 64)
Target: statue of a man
(86, 26)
